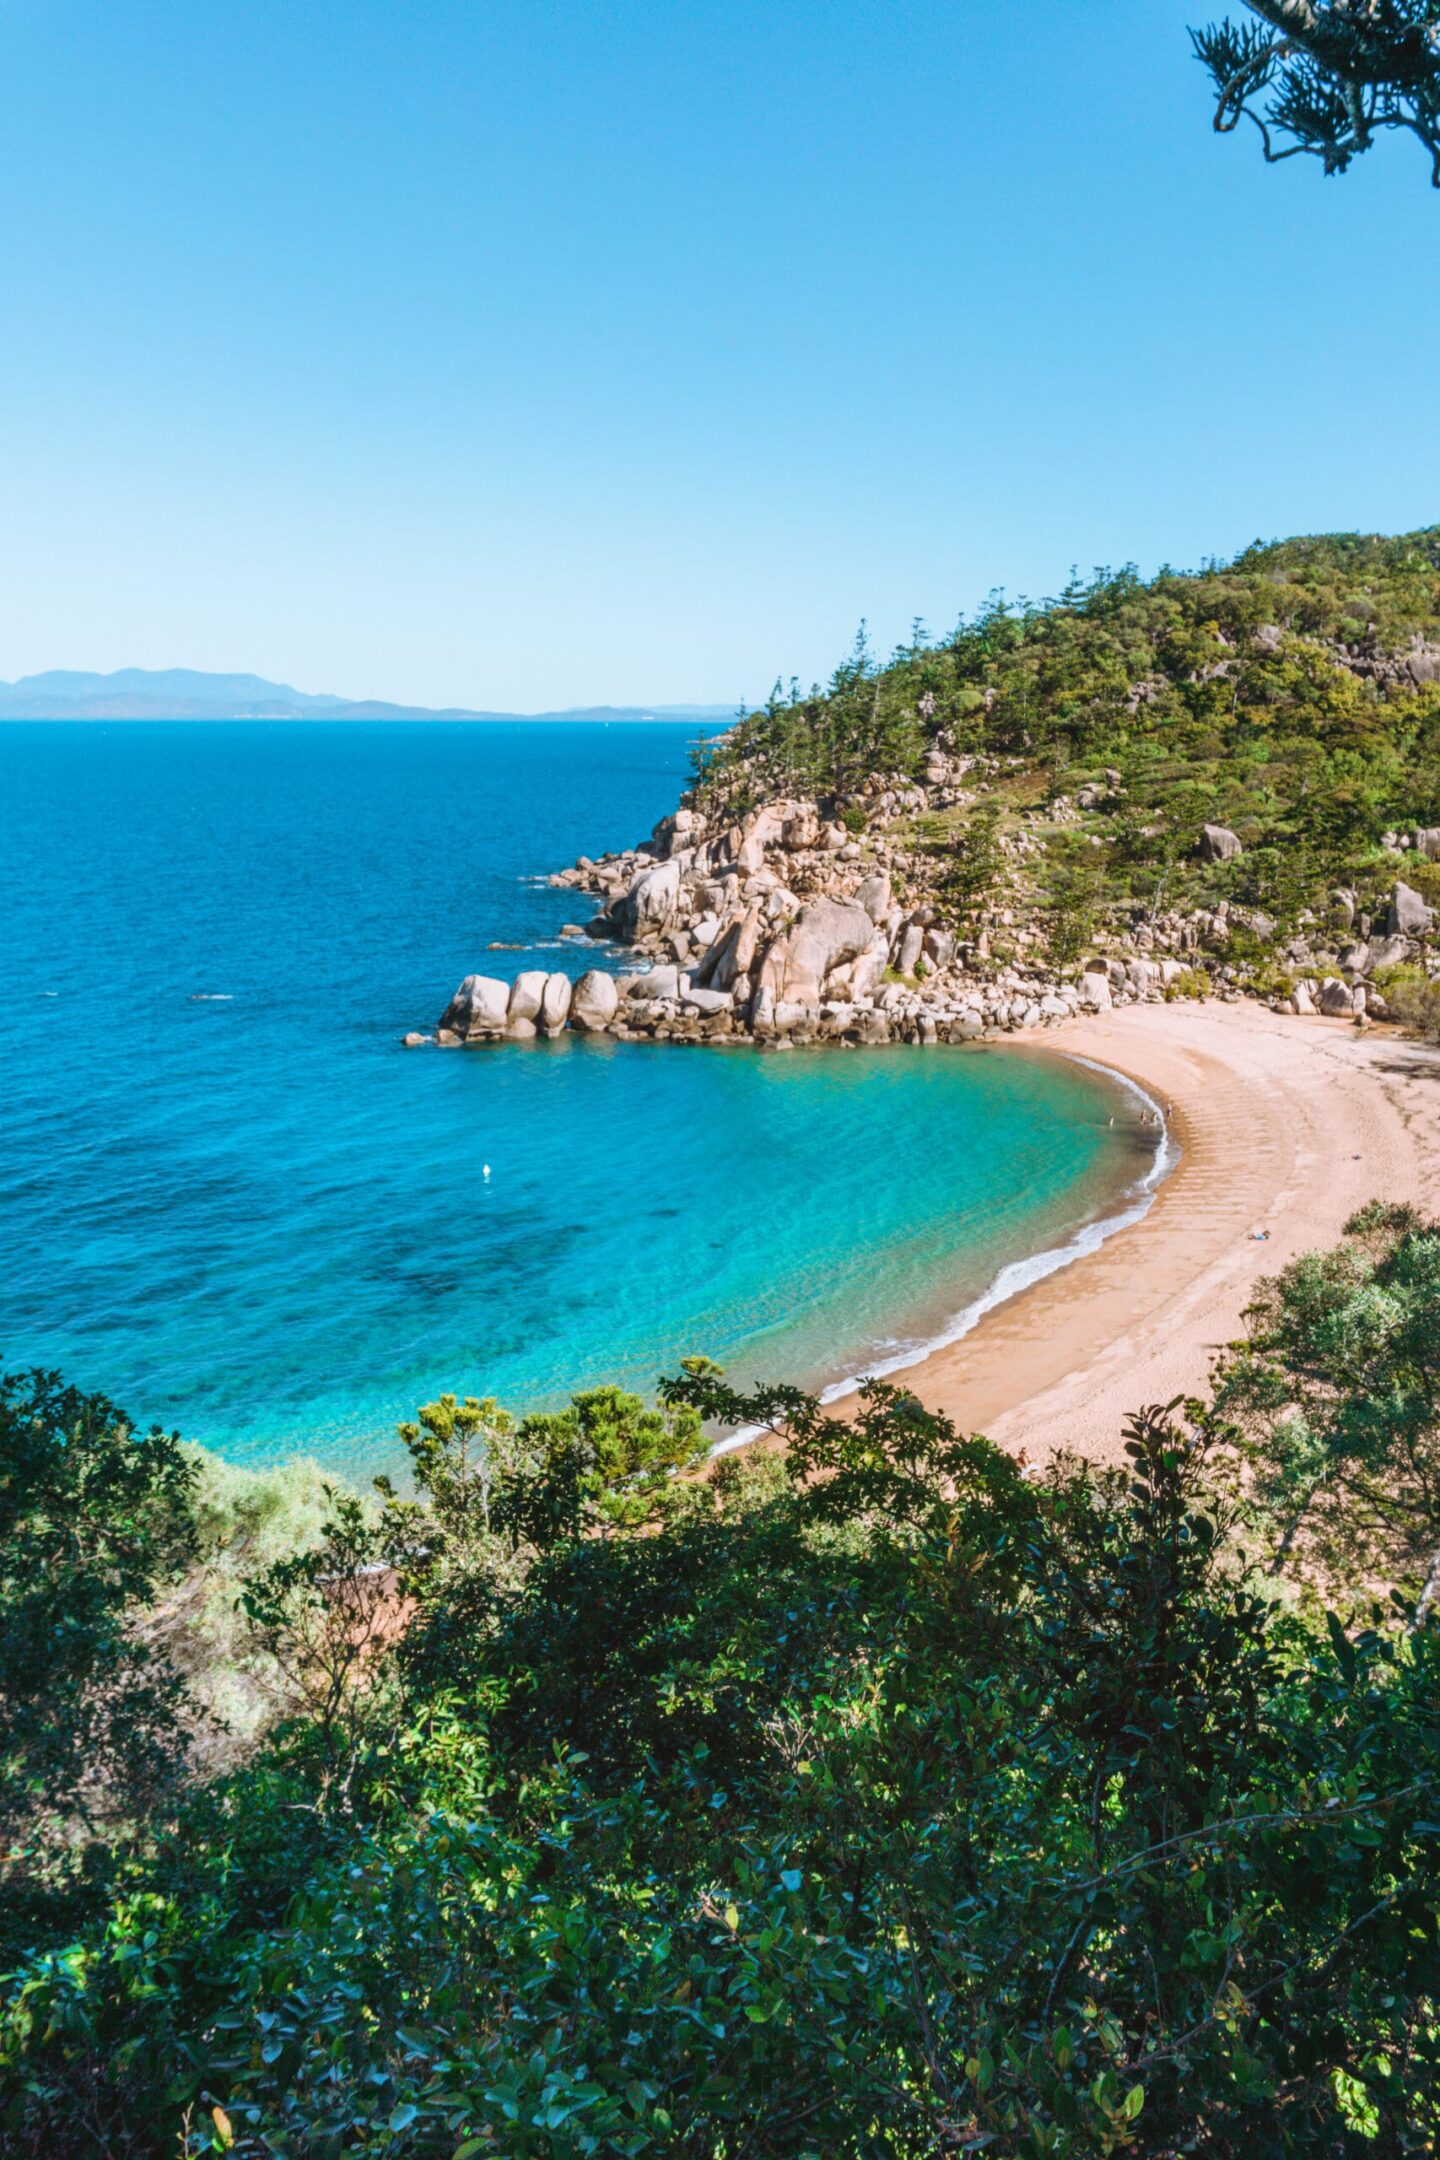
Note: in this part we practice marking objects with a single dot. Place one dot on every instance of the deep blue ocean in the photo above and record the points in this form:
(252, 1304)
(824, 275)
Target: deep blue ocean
(232, 1201)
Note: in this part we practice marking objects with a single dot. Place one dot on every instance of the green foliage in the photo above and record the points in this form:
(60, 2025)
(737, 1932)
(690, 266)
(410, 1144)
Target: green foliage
(1322, 78)
(321, 1615)
(1413, 998)
(1076, 898)
(95, 1522)
(1263, 694)
(873, 1798)
(1336, 1394)
(973, 866)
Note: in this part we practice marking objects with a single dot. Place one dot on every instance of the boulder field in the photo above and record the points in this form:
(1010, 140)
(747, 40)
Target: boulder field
(780, 928)
(786, 926)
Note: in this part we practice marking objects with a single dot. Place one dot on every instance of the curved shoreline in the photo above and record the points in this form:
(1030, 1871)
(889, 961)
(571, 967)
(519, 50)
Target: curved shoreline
(1283, 1126)
(1014, 1276)
(1034, 1268)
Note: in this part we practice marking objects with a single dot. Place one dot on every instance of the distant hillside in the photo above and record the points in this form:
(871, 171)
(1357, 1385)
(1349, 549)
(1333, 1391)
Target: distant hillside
(187, 694)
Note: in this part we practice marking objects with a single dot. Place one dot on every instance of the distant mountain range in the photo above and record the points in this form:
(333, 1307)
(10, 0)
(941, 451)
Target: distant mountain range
(186, 694)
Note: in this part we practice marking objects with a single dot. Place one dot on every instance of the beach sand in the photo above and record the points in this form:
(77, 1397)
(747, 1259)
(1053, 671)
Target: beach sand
(1285, 1125)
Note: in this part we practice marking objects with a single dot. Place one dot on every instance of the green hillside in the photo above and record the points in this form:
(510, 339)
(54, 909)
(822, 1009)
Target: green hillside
(1292, 695)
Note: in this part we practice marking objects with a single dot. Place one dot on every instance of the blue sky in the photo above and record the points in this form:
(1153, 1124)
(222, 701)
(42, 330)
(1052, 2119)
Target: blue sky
(521, 353)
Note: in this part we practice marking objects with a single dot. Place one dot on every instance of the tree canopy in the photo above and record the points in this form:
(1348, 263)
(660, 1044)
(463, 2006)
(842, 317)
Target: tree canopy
(878, 1799)
(1324, 78)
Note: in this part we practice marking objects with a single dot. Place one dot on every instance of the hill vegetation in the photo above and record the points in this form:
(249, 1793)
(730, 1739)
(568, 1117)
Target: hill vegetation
(874, 1798)
(1292, 696)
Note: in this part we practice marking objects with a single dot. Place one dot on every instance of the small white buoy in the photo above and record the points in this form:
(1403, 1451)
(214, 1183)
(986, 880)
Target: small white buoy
(485, 1170)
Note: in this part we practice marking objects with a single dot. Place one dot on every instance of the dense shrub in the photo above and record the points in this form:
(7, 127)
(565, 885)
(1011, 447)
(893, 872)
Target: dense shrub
(876, 1798)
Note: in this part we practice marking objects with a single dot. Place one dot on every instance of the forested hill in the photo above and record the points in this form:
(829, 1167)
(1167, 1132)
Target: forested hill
(1292, 696)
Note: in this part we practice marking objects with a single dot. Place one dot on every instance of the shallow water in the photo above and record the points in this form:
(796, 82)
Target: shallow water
(231, 1200)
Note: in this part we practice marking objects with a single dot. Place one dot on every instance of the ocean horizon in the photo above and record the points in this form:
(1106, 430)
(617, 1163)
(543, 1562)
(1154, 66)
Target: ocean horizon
(235, 1204)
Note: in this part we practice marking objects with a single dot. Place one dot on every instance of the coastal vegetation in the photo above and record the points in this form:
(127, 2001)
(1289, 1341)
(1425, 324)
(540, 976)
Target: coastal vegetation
(1291, 696)
(1220, 783)
(873, 1794)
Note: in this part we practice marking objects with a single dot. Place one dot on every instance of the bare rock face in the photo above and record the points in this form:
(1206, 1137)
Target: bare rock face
(1389, 951)
(826, 933)
(874, 896)
(911, 945)
(592, 1007)
(650, 901)
(1409, 916)
(1336, 997)
(526, 994)
(1219, 844)
(479, 1007)
(1416, 663)
(555, 1003)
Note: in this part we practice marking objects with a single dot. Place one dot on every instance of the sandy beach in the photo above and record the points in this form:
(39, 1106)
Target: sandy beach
(1284, 1125)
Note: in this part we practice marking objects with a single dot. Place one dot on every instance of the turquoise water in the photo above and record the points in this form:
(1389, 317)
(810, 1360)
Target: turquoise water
(232, 1201)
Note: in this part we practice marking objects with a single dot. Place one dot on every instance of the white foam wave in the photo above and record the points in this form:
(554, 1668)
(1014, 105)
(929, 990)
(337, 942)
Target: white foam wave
(1017, 1275)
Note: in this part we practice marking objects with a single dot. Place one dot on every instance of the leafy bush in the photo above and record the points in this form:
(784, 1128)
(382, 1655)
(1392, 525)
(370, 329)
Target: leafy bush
(95, 1521)
(876, 1799)
(1413, 998)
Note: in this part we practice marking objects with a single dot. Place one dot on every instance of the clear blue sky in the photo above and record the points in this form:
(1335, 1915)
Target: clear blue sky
(522, 353)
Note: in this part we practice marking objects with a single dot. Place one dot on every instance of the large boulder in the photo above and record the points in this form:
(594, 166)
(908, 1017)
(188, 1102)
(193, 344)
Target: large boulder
(1426, 841)
(1095, 992)
(908, 948)
(874, 895)
(762, 829)
(555, 1003)
(1409, 916)
(1389, 951)
(1336, 997)
(592, 1006)
(825, 934)
(662, 981)
(1218, 843)
(526, 994)
(708, 1002)
(650, 901)
(480, 1006)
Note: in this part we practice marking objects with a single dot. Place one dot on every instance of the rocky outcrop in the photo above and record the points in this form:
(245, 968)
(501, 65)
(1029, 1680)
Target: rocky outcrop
(555, 1003)
(480, 1006)
(801, 921)
(1409, 916)
(1219, 844)
(593, 1003)
(527, 995)
(825, 935)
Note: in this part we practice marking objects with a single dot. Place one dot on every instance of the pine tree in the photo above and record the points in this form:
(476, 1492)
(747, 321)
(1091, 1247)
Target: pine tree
(1322, 78)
